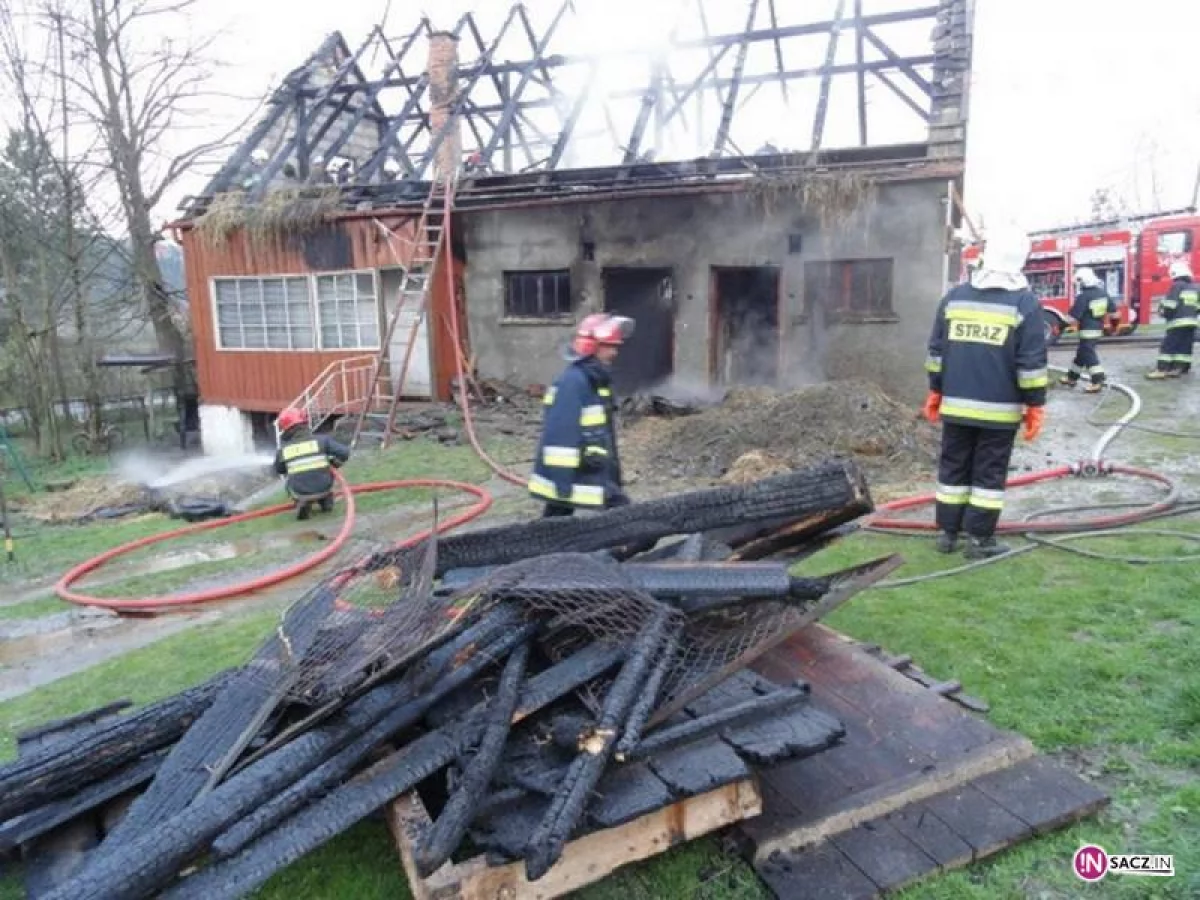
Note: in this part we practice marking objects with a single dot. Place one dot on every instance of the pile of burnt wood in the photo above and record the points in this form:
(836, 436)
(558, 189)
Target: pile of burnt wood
(536, 682)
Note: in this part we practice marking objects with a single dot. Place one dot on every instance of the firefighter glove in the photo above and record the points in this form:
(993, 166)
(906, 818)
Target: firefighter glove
(933, 404)
(1034, 417)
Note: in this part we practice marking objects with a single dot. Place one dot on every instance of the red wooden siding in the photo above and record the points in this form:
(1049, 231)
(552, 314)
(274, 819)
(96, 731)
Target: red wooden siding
(266, 381)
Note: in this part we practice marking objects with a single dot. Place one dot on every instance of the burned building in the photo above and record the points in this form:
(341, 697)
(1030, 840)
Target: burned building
(321, 271)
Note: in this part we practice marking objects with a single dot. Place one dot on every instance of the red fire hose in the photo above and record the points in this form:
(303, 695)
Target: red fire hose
(152, 604)
(876, 522)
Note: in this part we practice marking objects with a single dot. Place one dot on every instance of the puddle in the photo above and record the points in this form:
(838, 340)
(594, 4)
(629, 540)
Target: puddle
(182, 559)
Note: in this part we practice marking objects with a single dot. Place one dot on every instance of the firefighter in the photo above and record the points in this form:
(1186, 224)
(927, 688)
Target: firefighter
(1180, 308)
(1092, 306)
(577, 465)
(307, 462)
(987, 375)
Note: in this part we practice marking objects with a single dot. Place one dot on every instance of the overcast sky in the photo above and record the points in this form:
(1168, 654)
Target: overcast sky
(1067, 95)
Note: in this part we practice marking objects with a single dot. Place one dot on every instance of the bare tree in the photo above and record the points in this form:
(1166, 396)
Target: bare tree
(138, 84)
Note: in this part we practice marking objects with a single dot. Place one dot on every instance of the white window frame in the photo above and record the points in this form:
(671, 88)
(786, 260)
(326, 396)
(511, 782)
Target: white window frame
(353, 275)
(310, 278)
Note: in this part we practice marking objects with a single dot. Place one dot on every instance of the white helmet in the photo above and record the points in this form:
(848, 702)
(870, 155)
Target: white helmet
(1180, 269)
(1006, 250)
(1086, 277)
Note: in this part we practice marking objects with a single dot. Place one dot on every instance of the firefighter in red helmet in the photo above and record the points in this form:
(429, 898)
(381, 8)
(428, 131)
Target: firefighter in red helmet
(306, 461)
(577, 465)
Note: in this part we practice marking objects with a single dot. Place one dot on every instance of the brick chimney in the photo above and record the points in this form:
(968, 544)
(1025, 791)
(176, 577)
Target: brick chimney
(442, 69)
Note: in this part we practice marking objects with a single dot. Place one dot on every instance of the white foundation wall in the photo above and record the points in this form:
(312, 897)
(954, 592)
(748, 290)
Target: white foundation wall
(225, 431)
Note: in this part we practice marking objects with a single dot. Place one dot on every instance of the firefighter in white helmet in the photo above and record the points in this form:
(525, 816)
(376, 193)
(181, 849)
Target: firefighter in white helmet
(577, 464)
(1091, 307)
(1181, 309)
(987, 376)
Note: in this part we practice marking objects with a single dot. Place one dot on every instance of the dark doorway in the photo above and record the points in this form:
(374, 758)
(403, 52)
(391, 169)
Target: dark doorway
(745, 326)
(647, 297)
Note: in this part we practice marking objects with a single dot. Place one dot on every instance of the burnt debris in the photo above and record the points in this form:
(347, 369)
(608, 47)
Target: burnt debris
(538, 690)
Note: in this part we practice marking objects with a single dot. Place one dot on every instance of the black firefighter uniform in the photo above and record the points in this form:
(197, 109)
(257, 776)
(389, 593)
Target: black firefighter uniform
(307, 460)
(577, 464)
(987, 360)
(1181, 309)
(1092, 305)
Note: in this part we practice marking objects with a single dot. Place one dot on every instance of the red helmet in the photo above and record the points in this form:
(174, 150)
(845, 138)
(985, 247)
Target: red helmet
(290, 418)
(601, 329)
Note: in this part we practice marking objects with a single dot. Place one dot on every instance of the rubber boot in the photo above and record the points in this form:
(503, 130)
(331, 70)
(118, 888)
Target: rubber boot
(1158, 375)
(984, 548)
(303, 511)
(1094, 388)
(326, 504)
(1069, 381)
(947, 542)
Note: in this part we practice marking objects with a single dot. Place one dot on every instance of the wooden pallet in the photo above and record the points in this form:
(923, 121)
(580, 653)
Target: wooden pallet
(917, 786)
(585, 860)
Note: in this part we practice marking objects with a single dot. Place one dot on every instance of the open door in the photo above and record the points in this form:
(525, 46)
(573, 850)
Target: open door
(647, 297)
(745, 326)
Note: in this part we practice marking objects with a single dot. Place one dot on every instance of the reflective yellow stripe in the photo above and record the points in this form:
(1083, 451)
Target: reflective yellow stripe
(933, 364)
(561, 457)
(1090, 335)
(986, 313)
(1029, 379)
(984, 498)
(980, 415)
(595, 451)
(1181, 323)
(581, 494)
(592, 416)
(302, 448)
(1099, 308)
(548, 398)
(950, 499)
(307, 465)
(604, 392)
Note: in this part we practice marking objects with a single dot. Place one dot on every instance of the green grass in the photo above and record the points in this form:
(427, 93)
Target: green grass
(1094, 661)
(44, 550)
(34, 609)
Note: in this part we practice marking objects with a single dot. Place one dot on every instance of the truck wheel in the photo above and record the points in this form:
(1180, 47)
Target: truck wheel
(1052, 328)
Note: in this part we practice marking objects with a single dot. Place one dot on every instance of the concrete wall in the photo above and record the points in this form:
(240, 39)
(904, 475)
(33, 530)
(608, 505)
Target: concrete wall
(689, 234)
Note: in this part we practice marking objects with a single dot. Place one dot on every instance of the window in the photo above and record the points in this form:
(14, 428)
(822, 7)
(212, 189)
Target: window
(264, 314)
(349, 311)
(282, 313)
(537, 295)
(1175, 243)
(850, 290)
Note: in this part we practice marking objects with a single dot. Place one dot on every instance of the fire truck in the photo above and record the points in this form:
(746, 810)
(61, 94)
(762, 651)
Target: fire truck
(1132, 263)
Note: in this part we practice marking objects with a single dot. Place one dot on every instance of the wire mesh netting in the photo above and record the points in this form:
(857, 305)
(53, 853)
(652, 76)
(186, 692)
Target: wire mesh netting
(385, 611)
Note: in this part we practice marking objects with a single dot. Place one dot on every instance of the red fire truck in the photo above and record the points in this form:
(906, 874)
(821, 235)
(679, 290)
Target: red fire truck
(1132, 264)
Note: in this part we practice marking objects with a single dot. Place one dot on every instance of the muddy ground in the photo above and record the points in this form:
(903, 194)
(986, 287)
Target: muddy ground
(752, 434)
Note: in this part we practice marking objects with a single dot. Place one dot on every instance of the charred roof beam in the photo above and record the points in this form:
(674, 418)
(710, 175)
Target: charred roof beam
(511, 106)
(373, 90)
(818, 131)
(375, 163)
(861, 75)
(730, 102)
(783, 82)
(891, 56)
(461, 98)
(296, 143)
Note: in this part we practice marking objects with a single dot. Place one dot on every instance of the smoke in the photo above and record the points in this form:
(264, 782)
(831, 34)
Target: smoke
(156, 472)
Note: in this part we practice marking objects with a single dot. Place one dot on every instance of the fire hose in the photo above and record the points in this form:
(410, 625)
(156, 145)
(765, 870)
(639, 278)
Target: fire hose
(156, 604)
(1035, 526)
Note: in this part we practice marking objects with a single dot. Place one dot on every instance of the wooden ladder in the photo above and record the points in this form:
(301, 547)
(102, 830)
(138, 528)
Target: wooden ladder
(383, 390)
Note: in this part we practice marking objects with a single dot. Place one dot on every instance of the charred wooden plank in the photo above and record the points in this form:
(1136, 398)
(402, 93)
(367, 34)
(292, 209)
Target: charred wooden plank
(49, 731)
(645, 703)
(348, 804)
(672, 736)
(237, 711)
(63, 767)
(835, 489)
(44, 819)
(333, 770)
(553, 832)
(443, 837)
